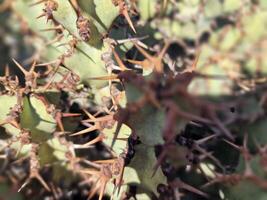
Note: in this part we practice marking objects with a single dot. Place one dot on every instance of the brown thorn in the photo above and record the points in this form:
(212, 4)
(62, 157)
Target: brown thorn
(125, 13)
(232, 144)
(119, 61)
(91, 172)
(41, 15)
(7, 71)
(24, 184)
(190, 188)
(105, 161)
(89, 114)
(135, 62)
(20, 67)
(100, 119)
(51, 29)
(203, 140)
(71, 114)
(87, 130)
(99, 138)
(159, 161)
(111, 77)
(41, 180)
(58, 118)
(119, 125)
(148, 56)
(163, 51)
(32, 67)
(102, 189)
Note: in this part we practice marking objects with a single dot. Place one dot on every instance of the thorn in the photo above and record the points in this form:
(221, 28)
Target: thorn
(99, 138)
(71, 114)
(119, 125)
(41, 15)
(32, 67)
(87, 130)
(232, 144)
(154, 61)
(221, 126)
(209, 155)
(100, 119)
(20, 67)
(7, 71)
(102, 190)
(90, 171)
(89, 114)
(3, 156)
(203, 140)
(135, 62)
(125, 13)
(105, 161)
(142, 51)
(19, 150)
(56, 28)
(94, 190)
(119, 61)
(41, 180)
(57, 39)
(194, 65)
(24, 184)
(58, 118)
(159, 161)
(190, 188)
(48, 63)
(111, 77)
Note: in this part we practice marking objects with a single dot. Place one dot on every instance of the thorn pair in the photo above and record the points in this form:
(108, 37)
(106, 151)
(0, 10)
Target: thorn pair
(92, 119)
(30, 76)
(34, 169)
(151, 62)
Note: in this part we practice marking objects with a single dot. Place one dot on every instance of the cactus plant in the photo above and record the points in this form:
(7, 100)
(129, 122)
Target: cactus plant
(133, 99)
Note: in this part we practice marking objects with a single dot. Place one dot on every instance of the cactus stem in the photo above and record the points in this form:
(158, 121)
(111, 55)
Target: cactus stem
(36, 3)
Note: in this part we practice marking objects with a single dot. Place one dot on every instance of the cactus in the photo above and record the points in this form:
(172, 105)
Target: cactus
(134, 99)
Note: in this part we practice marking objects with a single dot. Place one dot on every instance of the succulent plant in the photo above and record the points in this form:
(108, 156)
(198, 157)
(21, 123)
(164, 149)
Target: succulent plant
(133, 99)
